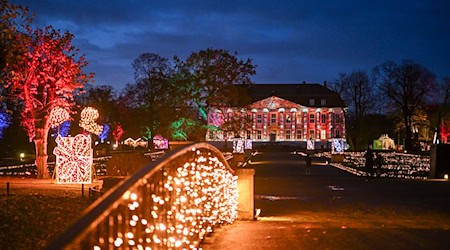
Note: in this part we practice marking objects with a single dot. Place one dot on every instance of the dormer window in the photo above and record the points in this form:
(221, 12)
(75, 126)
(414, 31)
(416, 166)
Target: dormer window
(323, 102)
(312, 102)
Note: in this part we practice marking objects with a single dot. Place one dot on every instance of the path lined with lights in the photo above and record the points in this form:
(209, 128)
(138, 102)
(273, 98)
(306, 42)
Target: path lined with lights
(334, 209)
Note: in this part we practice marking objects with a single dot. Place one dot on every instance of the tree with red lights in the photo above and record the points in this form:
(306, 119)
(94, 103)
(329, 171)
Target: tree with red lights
(47, 75)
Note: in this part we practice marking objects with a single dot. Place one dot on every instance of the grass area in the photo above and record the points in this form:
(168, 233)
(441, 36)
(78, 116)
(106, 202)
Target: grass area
(31, 219)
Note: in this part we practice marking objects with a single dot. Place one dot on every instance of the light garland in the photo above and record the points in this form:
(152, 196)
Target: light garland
(58, 115)
(88, 119)
(135, 143)
(73, 159)
(396, 165)
(190, 199)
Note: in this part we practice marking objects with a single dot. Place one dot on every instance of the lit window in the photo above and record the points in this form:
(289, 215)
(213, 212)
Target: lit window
(324, 118)
(312, 102)
(258, 118)
(311, 118)
(273, 118)
(249, 134)
(311, 134)
(323, 134)
(288, 118)
(299, 134)
(288, 134)
(258, 135)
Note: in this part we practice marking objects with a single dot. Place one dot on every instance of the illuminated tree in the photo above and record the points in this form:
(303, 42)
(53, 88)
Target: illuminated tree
(47, 76)
(407, 85)
(209, 78)
(117, 133)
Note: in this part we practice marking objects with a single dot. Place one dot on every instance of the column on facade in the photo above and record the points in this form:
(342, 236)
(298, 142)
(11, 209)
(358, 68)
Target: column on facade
(293, 124)
(254, 122)
(305, 123)
(281, 124)
(265, 123)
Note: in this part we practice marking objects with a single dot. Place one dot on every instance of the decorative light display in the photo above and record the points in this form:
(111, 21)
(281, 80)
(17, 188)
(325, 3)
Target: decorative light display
(117, 133)
(238, 145)
(73, 159)
(248, 144)
(310, 145)
(337, 146)
(58, 115)
(174, 208)
(5, 121)
(160, 142)
(88, 117)
(396, 165)
(135, 143)
(104, 134)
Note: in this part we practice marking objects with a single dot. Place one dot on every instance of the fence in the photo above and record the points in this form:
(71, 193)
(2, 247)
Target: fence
(173, 202)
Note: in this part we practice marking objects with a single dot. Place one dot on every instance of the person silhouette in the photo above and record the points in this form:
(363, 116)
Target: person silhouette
(308, 164)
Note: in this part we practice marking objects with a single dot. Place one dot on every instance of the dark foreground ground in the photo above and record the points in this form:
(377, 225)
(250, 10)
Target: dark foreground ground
(36, 211)
(332, 209)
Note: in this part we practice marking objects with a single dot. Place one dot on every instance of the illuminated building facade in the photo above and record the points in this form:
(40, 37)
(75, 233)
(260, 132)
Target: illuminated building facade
(282, 112)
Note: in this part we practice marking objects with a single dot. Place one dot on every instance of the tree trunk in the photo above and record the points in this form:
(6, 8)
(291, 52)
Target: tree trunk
(408, 133)
(40, 143)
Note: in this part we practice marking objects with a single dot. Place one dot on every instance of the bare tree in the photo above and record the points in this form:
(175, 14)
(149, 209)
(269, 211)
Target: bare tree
(407, 85)
(357, 90)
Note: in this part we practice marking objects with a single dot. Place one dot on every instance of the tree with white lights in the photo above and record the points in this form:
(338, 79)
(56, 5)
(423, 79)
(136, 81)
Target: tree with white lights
(47, 75)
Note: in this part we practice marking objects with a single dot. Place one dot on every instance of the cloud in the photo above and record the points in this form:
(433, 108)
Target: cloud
(290, 41)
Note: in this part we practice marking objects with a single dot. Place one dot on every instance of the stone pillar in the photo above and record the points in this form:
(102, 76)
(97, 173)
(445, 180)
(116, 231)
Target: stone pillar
(246, 190)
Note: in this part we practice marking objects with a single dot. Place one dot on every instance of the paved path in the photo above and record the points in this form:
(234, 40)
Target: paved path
(332, 209)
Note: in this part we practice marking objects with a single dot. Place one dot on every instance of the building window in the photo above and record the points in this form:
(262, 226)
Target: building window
(258, 135)
(273, 118)
(249, 117)
(249, 134)
(299, 134)
(311, 134)
(288, 118)
(318, 135)
(323, 102)
(324, 118)
(312, 102)
(311, 118)
(288, 134)
(299, 118)
(258, 118)
(323, 134)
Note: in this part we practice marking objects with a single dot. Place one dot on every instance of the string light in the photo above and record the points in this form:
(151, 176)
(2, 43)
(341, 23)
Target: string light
(175, 207)
(88, 119)
(58, 115)
(396, 165)
(73, 159)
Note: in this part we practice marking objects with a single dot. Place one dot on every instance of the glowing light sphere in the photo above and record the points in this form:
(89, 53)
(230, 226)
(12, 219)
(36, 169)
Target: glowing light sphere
(58, 115)
(88, 119)
(73, 159)
(337, 146)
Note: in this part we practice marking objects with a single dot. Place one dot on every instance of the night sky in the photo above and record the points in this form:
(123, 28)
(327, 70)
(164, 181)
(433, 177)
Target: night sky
(289, 41)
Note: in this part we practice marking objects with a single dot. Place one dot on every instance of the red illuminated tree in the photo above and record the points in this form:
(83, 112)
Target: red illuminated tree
(47, 76)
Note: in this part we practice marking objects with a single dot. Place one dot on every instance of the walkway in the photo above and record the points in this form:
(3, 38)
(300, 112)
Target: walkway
(332, 209)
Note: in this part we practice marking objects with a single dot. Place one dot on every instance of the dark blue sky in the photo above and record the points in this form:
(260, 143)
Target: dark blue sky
(289, 41)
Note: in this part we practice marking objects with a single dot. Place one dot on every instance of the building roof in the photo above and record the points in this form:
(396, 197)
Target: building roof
(298, 93)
